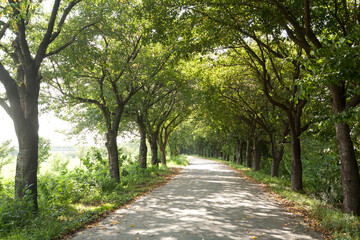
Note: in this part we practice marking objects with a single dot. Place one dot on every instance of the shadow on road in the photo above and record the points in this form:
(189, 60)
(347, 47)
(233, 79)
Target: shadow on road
(207, 201)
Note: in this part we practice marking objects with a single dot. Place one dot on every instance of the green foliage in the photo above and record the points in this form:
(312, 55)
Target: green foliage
(15, 213)
(44, 149)
(179, 160)
(322, 172)
(69, 199)
(5, 150)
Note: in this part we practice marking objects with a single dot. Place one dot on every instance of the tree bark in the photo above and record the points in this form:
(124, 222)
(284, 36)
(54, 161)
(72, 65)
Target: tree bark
(256, 154)
(240, 147)
(248, 152)
(349, 168)
(154, 150)
(24, 112)
(296, 164)
(111, 145)
(27, 159)
(276, 161)
(277, 152)
(163, 155)
(143, 147)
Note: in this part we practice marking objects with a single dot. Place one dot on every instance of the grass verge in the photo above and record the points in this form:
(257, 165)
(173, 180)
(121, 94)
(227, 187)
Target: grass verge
(321, 217)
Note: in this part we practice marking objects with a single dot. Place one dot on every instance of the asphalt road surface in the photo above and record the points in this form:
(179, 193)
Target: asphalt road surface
(207, 200)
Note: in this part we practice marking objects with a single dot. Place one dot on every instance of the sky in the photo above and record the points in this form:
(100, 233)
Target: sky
(50, 128)
(53, 128)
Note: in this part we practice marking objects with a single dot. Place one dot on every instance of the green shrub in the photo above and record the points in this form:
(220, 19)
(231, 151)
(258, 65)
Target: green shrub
(15, 213)
(179, 160)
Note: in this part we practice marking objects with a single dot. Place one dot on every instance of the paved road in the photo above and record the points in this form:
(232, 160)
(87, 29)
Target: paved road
(208, 200)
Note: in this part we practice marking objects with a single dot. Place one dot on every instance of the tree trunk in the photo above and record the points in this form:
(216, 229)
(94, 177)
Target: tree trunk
(240, 147)
(163, 143)
(349, 168)
(256, 154)
(172, 150)
(154, 150)
(111, 145)
(25, 115)
(278, 152)
(296, 165)
(27, 159)
(143, 147)
(248, 152)
(239, 150)
(276, 162)
(163, 154)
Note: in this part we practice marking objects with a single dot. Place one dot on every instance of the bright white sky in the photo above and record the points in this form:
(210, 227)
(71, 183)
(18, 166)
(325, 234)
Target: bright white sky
(50, 128)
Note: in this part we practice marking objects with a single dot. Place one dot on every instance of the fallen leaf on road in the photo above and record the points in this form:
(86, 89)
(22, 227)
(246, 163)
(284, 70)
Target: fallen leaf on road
(131, 225)
(254, 238)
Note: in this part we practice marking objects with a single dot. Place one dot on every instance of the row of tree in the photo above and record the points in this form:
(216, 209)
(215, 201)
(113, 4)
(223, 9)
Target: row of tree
(100, 67)
(288, 65)
(251, 68)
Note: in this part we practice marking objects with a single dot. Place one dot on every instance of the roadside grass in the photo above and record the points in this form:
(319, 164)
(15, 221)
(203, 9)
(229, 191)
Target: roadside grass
(68, 203)
(320, 216)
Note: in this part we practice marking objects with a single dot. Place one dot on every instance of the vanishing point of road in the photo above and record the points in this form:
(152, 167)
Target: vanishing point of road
(207, 200)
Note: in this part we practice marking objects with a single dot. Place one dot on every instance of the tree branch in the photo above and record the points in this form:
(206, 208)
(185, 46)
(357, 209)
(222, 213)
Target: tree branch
(5, 106)
(47, 36)
(5, 26)
(68, 9)
(354, 101)
(71, 41)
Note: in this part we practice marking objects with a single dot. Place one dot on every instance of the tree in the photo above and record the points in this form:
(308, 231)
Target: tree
(156, 90)
(28, 37)
(99, 75)
(328, 31)
(113, 61)
(179, 114)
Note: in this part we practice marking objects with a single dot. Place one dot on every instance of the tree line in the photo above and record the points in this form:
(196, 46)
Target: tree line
(282, 68)
(256, 74)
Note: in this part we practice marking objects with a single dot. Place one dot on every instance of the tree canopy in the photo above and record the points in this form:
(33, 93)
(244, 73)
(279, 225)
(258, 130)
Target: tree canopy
(249, 81)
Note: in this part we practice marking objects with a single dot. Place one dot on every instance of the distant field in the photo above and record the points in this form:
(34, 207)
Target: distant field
(61, 154)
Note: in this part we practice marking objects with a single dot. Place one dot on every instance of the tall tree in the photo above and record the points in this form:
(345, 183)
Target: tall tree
(28, 37)
(328, 31)
(114, 60)
(156, 89)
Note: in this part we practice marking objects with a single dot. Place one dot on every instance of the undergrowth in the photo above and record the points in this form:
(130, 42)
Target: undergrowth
(69, 200)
